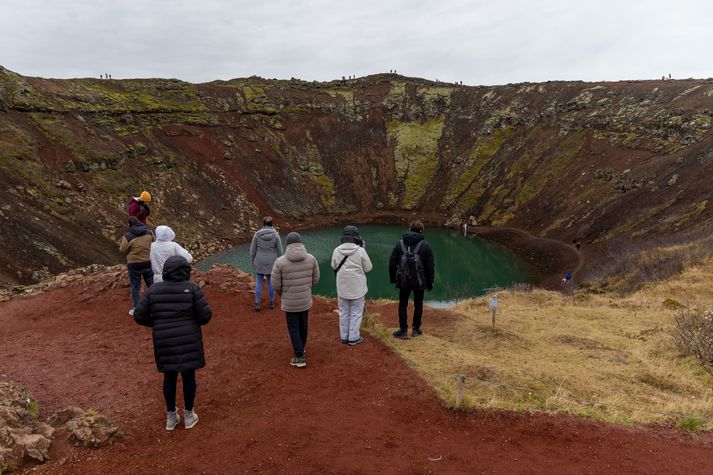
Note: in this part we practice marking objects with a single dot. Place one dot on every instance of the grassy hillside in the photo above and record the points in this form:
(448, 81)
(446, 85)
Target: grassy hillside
(599, 355)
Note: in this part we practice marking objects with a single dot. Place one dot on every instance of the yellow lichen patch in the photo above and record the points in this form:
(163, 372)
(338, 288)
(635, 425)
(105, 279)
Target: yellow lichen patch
(396, 96)
(342, 94)
(552, 165)
(483, 152)
(415, 146)
(431, 95)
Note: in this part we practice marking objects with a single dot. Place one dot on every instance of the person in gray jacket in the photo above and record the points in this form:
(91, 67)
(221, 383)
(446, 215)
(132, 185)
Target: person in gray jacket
(293, 276)
(351, 263)
(265, 248)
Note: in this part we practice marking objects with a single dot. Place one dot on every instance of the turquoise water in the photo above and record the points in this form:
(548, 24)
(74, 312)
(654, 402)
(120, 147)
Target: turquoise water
(465, 266)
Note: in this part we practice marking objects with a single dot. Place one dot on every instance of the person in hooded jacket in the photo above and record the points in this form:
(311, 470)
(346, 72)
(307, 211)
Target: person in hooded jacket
(293, 276)
(351, 263)
(265, 248)
(175, 309)
(411, 239)
(138, 206)
(136, 244)
(163, 248)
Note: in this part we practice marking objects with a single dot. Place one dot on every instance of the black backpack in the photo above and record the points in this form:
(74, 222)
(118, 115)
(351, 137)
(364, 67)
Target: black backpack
(411, 273)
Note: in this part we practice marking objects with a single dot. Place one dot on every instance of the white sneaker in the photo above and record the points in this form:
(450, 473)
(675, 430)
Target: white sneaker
(172, 420)
(131, 312)
(190, 419)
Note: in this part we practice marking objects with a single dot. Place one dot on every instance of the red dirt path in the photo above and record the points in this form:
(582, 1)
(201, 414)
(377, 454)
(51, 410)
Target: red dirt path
(352, 410)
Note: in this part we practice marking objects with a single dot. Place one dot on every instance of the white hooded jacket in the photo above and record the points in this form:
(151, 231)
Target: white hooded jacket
(162, 249)
(351, 278)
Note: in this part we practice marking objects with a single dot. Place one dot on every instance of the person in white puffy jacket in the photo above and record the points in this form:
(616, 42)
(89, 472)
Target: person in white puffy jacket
(163, 248)
(351, 263)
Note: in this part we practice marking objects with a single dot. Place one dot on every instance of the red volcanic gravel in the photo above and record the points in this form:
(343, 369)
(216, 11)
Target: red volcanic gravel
(351, 410)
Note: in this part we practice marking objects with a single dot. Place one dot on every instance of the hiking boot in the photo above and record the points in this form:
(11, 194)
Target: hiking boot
(271, 305)
(416, 332)
(131, 312)
(257, 307)
(344, 342)
(403, 334)
(190, 419)
(356, 342)
(172, 420)
(298, 362)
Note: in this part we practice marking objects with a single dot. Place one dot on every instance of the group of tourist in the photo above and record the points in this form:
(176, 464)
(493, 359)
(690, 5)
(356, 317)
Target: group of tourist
(175, 308)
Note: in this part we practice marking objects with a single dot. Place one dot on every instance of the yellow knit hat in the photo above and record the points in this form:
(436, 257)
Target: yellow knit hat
(145, 196)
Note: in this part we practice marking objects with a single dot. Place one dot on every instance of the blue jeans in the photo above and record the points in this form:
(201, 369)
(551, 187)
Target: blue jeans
(137, 270)
(258, 288)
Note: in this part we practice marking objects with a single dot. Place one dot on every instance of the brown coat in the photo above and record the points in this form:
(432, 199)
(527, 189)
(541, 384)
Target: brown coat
(293, 276)
(138, 249)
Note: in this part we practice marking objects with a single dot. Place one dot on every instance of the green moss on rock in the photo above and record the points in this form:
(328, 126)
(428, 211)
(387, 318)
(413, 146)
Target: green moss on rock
(415, 148)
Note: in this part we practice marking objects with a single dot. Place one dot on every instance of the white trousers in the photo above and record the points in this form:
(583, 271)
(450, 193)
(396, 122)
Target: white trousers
(350, 313)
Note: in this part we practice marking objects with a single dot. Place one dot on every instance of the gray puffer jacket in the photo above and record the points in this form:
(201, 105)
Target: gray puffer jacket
(265, 248)
(293, 276)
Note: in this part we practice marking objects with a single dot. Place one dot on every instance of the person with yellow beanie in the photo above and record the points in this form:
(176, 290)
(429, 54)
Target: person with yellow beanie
(139, 206)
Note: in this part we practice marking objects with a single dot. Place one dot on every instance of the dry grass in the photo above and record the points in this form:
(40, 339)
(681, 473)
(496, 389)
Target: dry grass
(602, 356)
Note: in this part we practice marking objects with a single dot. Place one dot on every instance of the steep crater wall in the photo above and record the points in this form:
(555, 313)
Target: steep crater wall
(602, 162)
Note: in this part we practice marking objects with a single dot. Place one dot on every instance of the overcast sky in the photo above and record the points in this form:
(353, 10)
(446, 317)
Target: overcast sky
(477, 42)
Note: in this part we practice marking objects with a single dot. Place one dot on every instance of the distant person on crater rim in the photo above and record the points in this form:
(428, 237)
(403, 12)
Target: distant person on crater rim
(351, 263)
(412, 269)
(136, 244)
(293, 276)
(265, 248)
(175, 309)
(138, 206)
(163, 248)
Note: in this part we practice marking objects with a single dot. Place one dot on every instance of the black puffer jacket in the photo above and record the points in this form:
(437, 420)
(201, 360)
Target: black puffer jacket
(175, 309)
(411, 239)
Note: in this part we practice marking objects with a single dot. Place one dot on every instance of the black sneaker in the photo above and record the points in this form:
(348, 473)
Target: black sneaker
(344, 342)
(271, 305)
(403, 334)
(257, 307)
(416, 332)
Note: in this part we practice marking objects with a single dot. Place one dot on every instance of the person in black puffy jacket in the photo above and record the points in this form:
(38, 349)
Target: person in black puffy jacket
(175, 309)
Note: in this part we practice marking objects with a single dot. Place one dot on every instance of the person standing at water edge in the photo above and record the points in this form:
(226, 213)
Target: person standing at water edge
(163, 248)
(176, 309)
(138, 206)
(293, 276)
(351, 263)
(136, 244)
(265, 248)
(416, 249)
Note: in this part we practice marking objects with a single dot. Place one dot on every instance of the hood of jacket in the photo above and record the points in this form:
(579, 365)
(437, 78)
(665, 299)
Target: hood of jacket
(351, 234)
(296, 252)
(411, 238)
(176, 269)
(164, 233)
(348, 248)
(266, 233)
(135, 231)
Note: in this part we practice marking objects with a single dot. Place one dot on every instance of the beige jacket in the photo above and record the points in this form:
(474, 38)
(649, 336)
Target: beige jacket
(293, 276)
(138, 249)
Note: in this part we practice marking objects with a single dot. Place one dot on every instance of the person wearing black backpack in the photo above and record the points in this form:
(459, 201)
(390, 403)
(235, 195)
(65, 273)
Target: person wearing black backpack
(411, 268)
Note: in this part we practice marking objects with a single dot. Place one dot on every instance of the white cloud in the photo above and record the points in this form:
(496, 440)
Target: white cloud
(478, 42)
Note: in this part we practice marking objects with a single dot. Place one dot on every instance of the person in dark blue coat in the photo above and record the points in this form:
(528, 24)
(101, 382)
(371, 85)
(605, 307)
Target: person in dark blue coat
(411, 240)
(176, 309)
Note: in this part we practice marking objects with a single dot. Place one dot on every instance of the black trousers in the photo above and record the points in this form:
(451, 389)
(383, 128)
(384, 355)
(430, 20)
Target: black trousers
(403, 306)
(170, 381)
(297, 327)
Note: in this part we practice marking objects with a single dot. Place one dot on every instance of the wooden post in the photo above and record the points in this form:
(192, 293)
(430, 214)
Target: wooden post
(459, 393)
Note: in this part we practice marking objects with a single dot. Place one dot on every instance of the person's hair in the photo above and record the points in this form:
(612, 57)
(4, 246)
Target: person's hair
(267, 221)
(416, 225)
(133, 220)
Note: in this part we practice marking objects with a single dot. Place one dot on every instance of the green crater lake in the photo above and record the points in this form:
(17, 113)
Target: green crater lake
(465, 266)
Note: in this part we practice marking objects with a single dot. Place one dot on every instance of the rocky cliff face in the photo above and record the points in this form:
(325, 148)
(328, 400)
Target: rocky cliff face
(598, 161)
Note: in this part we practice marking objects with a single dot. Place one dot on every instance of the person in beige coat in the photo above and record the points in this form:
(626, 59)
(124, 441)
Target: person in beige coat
(293, 276)
(136, 244)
